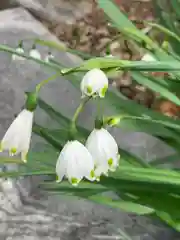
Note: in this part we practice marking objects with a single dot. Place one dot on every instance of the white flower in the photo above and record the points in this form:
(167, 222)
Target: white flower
(94, 83)
(49, 57)
(35, 53)
(75, 162)
(148, 58)
(104, 151)
(16, 57)
(18, 136)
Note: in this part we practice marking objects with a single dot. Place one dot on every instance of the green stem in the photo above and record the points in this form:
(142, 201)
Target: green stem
(109, 120)
(76, 114)
(164, 30)
(41, 84)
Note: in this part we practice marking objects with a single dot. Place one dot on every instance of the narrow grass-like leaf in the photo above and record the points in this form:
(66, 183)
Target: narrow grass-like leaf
(153, 85)
(123, 205)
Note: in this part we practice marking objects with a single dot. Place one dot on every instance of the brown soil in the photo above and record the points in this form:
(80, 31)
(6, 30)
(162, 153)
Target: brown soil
(92, 34)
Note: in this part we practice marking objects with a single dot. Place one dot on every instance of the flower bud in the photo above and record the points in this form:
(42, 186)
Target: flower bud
(31, 101)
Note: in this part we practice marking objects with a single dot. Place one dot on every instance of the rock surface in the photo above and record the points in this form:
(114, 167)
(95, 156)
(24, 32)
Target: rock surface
(53, 217)
(55, 10)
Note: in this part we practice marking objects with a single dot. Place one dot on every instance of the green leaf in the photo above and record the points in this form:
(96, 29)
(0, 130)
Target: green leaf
(148, 174)
(48, 136)
(114, 14)
(6, 160)
(169, 159)
(176, 7)
(116, 64)
(62, 48)
(153, 119)
(45, 158)
(54, 114)
(164, 30)
(123, 205)
(153, 127)
(153, 85)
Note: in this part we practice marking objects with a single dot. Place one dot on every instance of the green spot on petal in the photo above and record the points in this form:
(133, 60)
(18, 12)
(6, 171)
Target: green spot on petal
(110, 162)
(89, 89)
(13, 150)
(92, 174)
(57, 179)
(74, 181)
(103, 91)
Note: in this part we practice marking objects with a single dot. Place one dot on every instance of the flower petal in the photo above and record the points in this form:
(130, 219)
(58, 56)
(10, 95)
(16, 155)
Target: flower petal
(16, 57)
(104, 150)
(61, 164)
(18, 136)
(94, 83)
(35, 54)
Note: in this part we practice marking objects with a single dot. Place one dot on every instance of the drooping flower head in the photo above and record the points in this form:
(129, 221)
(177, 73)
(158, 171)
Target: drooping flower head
(49, 57)
(94, 83)
(104, 150)
(18, 136)
(35, 53)
(75, 163)
(19, 49)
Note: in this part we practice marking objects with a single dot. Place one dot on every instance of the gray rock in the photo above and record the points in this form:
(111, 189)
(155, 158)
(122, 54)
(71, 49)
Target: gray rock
(51, 216)
(56, 11)
(4, 4)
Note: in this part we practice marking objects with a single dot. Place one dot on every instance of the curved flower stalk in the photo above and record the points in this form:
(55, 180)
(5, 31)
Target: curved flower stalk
(94, 83)
(104, 151)
(75, 163)
(18, 136)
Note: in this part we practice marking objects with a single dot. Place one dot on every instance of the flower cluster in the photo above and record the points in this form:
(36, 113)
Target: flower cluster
(76, 161)
(100, 154)
(34, 53)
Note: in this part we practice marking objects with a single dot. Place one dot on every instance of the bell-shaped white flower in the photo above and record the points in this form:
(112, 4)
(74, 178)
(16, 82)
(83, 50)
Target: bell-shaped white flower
(148, 58)
(75, 162)
(35, 53)
(16, 57)
(49, 57)
(17, 138)
(94, 83)
(104, 151)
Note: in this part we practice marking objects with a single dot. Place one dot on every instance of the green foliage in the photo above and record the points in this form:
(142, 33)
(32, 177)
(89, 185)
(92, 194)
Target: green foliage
(144, 188)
